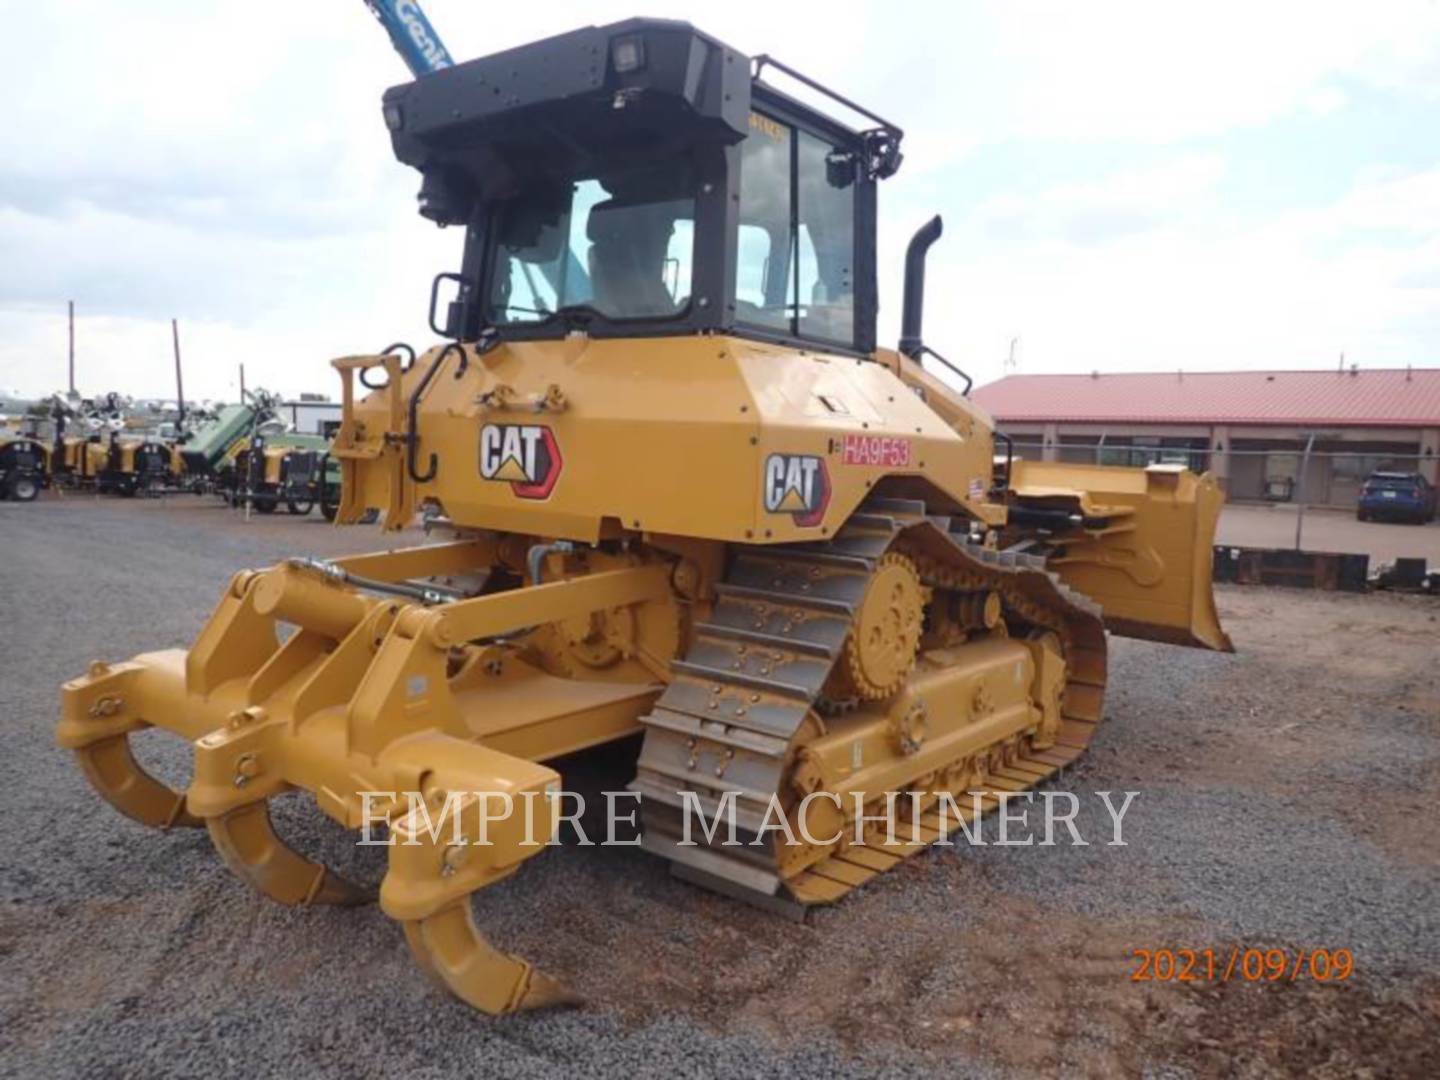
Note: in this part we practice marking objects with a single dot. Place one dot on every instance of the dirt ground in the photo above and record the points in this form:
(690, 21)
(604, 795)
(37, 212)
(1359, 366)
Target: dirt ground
(1250, 525)
(1286, 799)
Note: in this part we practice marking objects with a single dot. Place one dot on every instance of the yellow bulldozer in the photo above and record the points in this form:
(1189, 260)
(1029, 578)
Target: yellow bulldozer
(676, 494)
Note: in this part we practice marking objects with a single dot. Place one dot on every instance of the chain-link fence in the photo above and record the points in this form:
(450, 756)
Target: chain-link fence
(1308, 474)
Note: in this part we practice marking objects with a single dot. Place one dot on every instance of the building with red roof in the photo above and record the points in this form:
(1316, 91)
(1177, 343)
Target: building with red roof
(1281, 435)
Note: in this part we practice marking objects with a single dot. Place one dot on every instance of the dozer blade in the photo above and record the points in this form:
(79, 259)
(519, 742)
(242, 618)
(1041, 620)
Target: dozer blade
(1143, 549)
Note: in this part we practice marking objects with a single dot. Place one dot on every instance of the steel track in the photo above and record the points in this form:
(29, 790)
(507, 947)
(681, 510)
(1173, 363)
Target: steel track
(735, 713)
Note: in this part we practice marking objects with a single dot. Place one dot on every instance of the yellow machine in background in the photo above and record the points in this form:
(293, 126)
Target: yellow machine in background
(679, 493)
(138, 465)
(289, 469)
(74, 462)
(115, 463)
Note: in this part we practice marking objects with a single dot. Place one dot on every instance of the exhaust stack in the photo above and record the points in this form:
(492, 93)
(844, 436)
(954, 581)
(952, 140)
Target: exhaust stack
(179, 381)
(913, 314)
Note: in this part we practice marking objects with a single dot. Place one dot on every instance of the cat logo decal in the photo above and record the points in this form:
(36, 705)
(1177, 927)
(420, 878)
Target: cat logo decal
(526, 456)
(798, 485)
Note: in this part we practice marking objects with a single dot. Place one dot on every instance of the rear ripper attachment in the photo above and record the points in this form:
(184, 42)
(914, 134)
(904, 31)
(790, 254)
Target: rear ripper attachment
(381, 687)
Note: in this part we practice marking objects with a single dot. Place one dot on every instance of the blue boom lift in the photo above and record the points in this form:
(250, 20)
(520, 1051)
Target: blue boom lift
(412, 35)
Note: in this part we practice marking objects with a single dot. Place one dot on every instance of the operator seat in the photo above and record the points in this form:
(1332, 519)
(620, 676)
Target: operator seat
(628, 244)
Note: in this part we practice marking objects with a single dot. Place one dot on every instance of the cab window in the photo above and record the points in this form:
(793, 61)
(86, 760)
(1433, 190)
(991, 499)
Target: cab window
(825, 277)
(764, 293)
(795, 266)
(621, 246)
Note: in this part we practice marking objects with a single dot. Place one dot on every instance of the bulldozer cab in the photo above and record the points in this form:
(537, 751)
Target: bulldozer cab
(641, 179)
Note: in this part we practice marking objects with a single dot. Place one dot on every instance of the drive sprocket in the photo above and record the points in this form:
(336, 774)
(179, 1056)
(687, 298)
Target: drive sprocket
(881, 650)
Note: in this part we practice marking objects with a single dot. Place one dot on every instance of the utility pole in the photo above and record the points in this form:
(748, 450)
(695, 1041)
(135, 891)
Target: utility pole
(72, 348)
(179, 381)
(242, 383)
(1302, 488)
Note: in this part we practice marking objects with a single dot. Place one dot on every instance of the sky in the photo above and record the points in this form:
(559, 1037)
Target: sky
(1124, 186)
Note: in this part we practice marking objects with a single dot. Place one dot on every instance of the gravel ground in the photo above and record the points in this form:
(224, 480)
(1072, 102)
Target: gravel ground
(1286, 798)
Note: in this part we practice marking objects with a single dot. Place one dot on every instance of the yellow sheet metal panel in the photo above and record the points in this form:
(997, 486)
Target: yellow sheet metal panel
(709, 437)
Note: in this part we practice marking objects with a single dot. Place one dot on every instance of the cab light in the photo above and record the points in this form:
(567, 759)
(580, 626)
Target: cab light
(627, 54)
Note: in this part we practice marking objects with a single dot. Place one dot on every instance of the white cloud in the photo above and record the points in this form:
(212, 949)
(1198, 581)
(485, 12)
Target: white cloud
(1124, 202)
(1160, 72)
(1325, 100)
(1197, 290)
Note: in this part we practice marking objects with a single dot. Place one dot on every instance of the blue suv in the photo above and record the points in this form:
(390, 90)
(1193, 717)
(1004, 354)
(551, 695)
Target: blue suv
(1397, 495)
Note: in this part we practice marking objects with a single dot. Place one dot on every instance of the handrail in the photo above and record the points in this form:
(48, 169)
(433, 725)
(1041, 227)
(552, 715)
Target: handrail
(386, 352)
(926, 350)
